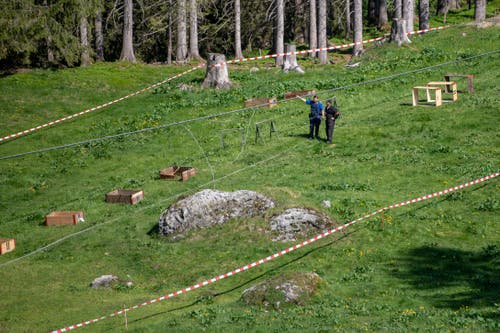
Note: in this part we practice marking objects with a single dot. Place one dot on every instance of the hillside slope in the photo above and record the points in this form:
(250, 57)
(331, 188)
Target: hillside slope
(429, 267)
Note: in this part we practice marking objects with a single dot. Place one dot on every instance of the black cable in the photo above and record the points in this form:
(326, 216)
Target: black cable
(149, 129)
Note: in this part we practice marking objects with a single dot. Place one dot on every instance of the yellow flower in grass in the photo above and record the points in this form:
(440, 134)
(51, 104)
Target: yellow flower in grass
(408, 312)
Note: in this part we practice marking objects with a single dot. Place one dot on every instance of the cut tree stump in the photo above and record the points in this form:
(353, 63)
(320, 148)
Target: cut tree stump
(398, 32)
(217, 75)
(290, 63)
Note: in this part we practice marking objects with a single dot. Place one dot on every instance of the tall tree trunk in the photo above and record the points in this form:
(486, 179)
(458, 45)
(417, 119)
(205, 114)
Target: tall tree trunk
(50, 52)
(480, 11)
(323, 55)
(181, 31)
(300, 27)
(442, 7)
(170, 50)
(348, 19)
(237, 29)
(454, 4)
(128, 26)
(382, 18)
(280, 30)
(84, 41)
(398, 9)
(408, 14)
(423, 14)
(358, 27)
(313, 32)
(193, 30)
(99, 37)
(372, 17)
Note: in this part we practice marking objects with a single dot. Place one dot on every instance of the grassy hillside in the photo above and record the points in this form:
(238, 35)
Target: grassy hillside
(433, 266)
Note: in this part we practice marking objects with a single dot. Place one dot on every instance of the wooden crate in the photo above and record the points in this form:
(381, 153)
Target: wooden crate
(436, 90)
(450, 88)
(64, 218)
(299, 93)
(269, 102)
(470, 80)
(177, 172)
(125, 196)
(7, 245)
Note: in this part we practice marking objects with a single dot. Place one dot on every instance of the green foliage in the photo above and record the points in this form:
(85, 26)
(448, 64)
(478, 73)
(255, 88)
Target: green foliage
(429, 267)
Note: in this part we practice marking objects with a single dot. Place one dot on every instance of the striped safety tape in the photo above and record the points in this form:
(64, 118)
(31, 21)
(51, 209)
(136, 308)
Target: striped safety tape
(335, 47)
(33, 129)
(276, 255)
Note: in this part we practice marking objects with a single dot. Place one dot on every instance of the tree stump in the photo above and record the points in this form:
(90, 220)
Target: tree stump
(398, 32)
(291, 60)
(217, 74)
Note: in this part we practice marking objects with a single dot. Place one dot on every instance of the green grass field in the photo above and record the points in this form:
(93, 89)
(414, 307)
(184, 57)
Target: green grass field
(432, 267)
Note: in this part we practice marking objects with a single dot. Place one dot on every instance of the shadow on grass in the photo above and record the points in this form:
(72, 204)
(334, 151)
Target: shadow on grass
(475, 274)
(436, 268)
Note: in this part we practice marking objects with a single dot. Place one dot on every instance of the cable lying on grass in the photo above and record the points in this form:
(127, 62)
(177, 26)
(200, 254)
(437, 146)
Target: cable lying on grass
(278, 254)
(144, 130)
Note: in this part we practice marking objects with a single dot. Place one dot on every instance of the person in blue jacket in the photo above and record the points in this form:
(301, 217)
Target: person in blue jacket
(314, 116)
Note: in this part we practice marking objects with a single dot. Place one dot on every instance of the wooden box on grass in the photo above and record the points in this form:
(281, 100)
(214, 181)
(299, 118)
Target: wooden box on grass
(7, 245)
(125, 196)
(268, 102)
(64, 218)
(177, 172)
(470, 80)
(299, 93)
(450, 88)
(437, 91)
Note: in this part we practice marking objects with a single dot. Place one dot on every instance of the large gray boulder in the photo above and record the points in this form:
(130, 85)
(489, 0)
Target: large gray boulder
(211, 207)
(298, 222)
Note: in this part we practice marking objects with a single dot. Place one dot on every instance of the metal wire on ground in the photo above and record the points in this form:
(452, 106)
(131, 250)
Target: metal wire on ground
(144, 130)
(204, 185)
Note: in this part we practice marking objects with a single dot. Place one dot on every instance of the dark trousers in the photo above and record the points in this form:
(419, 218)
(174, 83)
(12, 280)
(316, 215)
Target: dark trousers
(330, 126)
(314, 127)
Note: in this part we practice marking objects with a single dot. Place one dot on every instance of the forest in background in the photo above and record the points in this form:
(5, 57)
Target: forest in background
(48, 33)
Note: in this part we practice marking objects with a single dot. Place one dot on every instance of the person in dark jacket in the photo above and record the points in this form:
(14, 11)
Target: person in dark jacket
(331, 113)
(314, 116)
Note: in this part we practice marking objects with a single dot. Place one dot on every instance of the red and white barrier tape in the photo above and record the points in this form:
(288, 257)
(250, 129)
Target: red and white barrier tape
(335, 47)
(427, 30)
(276, 255)
(33, 129)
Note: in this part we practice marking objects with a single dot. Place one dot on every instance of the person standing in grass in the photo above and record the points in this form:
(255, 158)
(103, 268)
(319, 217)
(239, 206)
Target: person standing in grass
(314, 116)
(331, 113)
